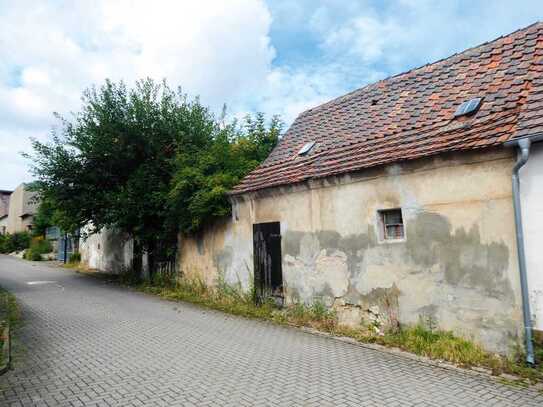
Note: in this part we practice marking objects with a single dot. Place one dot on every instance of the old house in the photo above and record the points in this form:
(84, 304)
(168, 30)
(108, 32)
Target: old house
(397, 199)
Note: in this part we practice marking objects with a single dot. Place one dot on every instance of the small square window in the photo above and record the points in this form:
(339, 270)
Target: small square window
(392, 227)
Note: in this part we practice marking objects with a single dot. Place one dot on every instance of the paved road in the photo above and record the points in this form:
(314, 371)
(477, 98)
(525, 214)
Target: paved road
(86, 343)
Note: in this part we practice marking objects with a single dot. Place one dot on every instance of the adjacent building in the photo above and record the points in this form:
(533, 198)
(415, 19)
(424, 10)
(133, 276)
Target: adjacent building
(4, 209)
(397, 200)
(17, 209)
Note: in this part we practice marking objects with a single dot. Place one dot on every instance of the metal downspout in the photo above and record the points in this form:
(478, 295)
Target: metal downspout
(523, 155)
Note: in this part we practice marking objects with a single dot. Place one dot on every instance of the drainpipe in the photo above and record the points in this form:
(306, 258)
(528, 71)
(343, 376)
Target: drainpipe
(523, 155)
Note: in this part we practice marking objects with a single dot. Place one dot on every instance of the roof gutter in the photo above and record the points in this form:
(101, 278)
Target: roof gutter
(523, 145)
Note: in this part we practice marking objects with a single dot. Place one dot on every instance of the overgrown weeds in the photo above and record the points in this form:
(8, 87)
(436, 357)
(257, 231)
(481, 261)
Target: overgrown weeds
(444, 345)
(9, 311)
(75, 258)
(437, 345)
(315, 315)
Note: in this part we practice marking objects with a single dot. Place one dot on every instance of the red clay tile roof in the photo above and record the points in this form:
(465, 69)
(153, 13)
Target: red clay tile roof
(410, 115)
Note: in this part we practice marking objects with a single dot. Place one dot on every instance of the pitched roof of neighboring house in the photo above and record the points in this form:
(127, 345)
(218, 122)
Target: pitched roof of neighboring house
(411, 115)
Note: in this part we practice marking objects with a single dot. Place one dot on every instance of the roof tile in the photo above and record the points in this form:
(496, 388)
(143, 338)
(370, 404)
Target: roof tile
(410, 115)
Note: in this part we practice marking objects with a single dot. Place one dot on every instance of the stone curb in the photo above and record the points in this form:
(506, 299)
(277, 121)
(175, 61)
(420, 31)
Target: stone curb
(474, 371)
(397, 352)
(6, 351)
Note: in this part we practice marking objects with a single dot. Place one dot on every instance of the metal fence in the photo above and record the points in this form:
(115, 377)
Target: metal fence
(66, 244)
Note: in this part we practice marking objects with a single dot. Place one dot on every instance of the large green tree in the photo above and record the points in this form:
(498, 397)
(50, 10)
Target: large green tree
(147, 161)
(203, 177)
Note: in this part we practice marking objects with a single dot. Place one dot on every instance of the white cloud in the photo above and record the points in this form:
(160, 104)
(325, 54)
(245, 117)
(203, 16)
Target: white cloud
(50, 52)
(221, 50)
(364, 41)
(288, 91)
(363, 37)
(407, 33)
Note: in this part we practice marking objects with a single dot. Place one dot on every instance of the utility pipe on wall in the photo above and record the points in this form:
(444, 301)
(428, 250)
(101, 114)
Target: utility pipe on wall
(523, 155)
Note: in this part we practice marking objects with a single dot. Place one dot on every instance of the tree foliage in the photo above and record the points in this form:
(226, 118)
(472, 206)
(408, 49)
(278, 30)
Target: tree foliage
(14, 242)
(203, 177)
(147, 161)
(46, 216)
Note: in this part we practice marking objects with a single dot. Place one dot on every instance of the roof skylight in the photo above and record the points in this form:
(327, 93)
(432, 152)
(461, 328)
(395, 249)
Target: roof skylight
(306, 148)
(469, 107)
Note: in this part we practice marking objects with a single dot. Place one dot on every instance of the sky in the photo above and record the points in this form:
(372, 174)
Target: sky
(277, 56)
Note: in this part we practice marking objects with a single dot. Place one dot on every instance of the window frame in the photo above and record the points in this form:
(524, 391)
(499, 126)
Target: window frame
(381, 220)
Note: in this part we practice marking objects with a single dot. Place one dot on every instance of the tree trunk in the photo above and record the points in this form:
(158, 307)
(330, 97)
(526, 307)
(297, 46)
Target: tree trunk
(137, 261)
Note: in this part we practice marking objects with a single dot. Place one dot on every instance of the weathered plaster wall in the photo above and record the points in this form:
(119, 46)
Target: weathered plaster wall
(223, 250)
(107, 251)
(457, 265)
(531, 178)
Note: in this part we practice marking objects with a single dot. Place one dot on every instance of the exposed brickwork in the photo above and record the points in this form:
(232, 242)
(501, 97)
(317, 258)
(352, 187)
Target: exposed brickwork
(88, 344)
(410, 115)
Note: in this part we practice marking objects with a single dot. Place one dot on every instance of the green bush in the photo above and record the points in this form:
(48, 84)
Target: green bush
(38, 246)
(75, 258)
(14, 242)
(20, 241)
(41, 245)
(33, 255)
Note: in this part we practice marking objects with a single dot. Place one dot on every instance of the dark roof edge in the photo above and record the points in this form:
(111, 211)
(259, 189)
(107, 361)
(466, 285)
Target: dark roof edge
(232, 194)
(532, 137)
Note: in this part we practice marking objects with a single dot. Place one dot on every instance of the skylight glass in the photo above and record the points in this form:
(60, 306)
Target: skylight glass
(306, 148)
(469, 107)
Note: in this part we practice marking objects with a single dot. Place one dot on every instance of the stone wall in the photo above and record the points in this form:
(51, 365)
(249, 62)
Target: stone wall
(456, 267)
(107, 251)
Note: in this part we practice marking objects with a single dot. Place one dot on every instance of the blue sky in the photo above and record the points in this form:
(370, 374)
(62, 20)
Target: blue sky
(276, 56)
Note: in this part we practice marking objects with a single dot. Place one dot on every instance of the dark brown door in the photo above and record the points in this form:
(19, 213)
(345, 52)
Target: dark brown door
(267, 261)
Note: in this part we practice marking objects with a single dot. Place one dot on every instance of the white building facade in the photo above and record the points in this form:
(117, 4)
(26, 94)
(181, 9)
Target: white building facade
(531, 178)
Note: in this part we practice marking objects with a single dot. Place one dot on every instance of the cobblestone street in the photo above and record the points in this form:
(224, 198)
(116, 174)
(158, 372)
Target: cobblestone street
(86, 343)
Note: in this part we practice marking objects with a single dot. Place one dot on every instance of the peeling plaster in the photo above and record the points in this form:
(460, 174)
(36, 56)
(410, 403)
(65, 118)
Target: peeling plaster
(436, 271)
